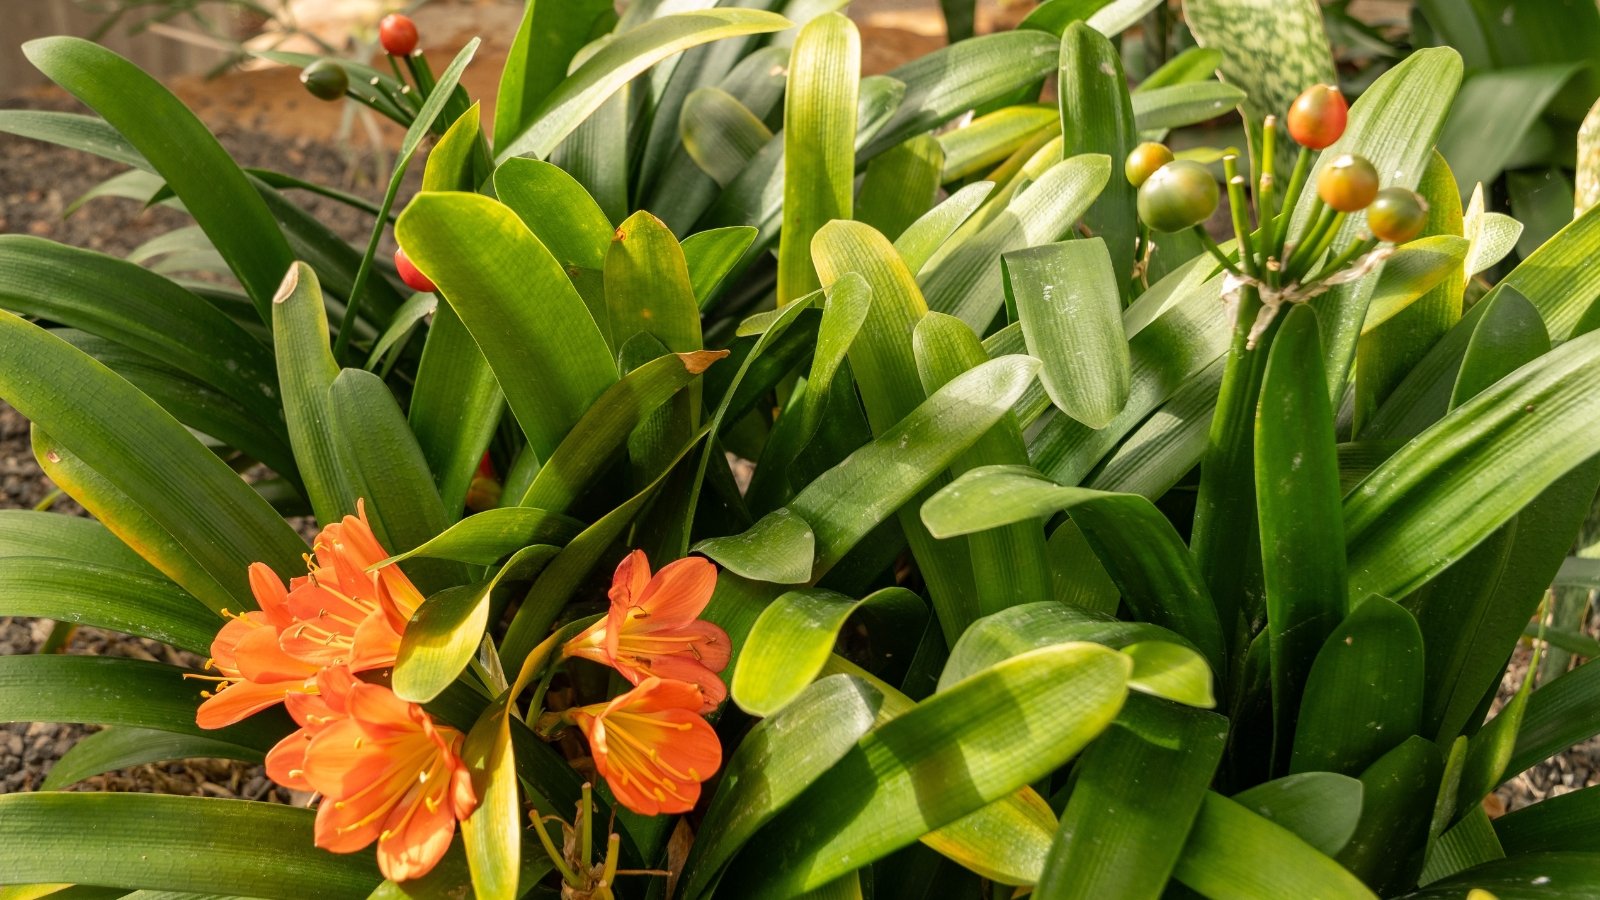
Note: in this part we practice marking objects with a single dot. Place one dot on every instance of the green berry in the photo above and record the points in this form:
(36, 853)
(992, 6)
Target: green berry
(1397, 215)
(325, 79)
(1180, 194)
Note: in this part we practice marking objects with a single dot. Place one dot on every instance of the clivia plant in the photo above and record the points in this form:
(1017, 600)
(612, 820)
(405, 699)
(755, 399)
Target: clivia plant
(742, 484)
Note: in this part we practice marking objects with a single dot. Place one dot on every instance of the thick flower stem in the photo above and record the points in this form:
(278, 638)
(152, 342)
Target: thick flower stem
(1291, 197)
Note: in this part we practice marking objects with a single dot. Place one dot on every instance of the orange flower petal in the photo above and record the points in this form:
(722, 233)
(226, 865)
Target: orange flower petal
(679, 592)
(259, 658)
(239, 701)
(270, 594)
(416, 835)
(286, 761)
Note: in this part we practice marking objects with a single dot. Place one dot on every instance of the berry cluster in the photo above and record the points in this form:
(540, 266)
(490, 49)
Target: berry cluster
(1179, 194)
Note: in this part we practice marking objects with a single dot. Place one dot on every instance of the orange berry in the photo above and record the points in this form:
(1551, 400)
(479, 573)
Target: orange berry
(1348, 184)
(1180, 194)
(1318, 116)
(1144, 161)
(398, 35)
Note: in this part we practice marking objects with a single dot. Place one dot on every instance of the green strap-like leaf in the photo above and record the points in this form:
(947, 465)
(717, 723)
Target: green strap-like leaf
(109, 690)
(1298, 505)
(581, 93)
(819, 128)
(951, 80)
(1030, 626)
(26, 532)
(791, 641)
(456, 405)
(194, 844)
(602, 432)
(1122, 830)
(1137, 544)
(773, 764)
(551, 33)
(126, 522)
(124, 747)
(306, 370)
(922, 238)
(1321, 808)
(550, 357)
(1097, 116)
(1363, 695)
(141, 310)
(966, 281)
(387, 468)
(1561, 714)
(901, 186)
(1397, 794)
(143, 452)
(1561, 822)
(1232, 852)
(881, 795)
(1466, 476)
(90, 593)
(711, 255)
(171, 138)
(1068, 302)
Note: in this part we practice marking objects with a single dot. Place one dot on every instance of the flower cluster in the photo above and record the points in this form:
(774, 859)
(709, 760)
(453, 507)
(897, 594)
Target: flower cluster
(652, 744)
(386, 771)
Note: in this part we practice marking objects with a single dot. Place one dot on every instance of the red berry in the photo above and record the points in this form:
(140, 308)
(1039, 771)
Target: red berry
(1318, 116)
(1348, 184)
(397, 34)
(1398, 215)
(409, 273)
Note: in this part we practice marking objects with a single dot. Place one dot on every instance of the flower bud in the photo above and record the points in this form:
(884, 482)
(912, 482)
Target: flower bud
(1144, 161)
(1397, 215)
(1348, 184)
(325, 79)
(398, 35)
(409, 273)
(1318, 116)
(1180, 194)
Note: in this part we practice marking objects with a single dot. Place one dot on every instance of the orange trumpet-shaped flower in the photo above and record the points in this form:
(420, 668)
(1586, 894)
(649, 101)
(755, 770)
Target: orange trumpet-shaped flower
(651, 745)
(386, 773)
(345, 615)
(256, 673)
(653, 627)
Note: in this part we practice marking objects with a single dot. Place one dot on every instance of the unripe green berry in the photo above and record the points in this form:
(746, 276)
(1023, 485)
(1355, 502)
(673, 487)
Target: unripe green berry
(1144, 161)
(1180, 194)
(325, 79)
(1397, 215)
(1348, 184)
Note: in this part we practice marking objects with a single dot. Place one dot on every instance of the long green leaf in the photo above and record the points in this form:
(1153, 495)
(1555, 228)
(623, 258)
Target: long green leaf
(819, 127)
(878, 797)
(1363, 694)
(143, 451)
(124, 747)
(773, 764)
(1456, 483)
(87, 592)
(1122, 831)
(1322, 808)
(550, 35)
(583, 91)
(1232, 852)
(306, 370)
(1273, 50)
(109, 690)
(550, 357)
(1137, 545)
(199, 171)
(1067, 300)
(967, 283)
(1097, 116)
(1298, 504)
(791, 641)
(190, 844)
